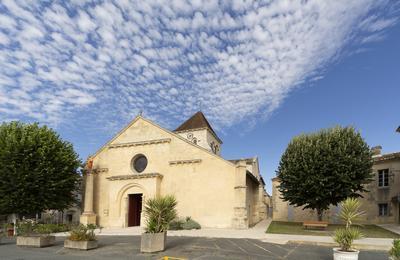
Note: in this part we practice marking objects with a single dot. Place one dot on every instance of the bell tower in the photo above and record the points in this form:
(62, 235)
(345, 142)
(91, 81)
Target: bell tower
(198, 130)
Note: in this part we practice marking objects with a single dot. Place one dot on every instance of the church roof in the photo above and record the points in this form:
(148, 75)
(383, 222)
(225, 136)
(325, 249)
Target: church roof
(198, 120)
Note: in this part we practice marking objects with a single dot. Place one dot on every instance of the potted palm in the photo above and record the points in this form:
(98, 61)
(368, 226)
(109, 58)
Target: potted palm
(82, 237)
(29, 233)
(345, 237)
(394, 252)
(159, 213)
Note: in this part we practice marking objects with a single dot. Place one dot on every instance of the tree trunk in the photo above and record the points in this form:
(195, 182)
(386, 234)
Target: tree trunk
(320, 213)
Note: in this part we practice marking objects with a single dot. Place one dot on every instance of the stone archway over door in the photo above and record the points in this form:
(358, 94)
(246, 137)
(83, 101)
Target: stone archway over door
(134, 209)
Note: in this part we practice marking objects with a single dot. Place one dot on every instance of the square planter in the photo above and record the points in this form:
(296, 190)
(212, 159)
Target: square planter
(153, 242)
(36, 241)
(81, 245)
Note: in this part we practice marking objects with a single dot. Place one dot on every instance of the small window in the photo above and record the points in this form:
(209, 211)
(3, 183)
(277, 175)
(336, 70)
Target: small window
(383, 209)
(383, 178)
(139, 163)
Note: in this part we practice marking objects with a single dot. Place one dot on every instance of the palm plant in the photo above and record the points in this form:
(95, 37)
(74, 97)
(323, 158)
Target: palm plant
(160, 211)
(395, 250)
(350, 213)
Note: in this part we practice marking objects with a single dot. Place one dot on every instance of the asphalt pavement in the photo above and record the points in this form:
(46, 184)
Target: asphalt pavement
(128, 247)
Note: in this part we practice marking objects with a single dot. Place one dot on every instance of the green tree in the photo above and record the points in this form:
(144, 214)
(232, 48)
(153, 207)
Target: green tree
(38, 170)
(324, 168)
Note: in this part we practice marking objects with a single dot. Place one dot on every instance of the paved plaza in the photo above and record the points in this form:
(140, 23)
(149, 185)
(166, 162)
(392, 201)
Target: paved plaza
(128, 247)
(255, 232)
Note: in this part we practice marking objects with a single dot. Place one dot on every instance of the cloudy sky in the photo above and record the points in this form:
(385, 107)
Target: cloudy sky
(88, 67)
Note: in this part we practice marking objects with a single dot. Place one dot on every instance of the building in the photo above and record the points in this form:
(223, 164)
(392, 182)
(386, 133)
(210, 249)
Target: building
(381, 203)
(145, 160)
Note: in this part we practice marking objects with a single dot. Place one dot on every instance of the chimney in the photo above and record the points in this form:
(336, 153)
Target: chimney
(376, 150)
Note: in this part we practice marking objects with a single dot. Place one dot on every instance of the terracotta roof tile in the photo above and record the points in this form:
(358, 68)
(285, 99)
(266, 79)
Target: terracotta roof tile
(385, 157)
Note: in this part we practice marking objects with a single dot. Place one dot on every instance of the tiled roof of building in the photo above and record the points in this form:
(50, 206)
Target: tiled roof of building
(385, 157)
(198, 120)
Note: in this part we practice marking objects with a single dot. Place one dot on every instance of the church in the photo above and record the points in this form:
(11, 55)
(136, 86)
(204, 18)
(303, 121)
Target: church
(145, 160)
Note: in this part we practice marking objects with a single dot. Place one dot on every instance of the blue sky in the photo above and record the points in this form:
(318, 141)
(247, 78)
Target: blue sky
(261, 71)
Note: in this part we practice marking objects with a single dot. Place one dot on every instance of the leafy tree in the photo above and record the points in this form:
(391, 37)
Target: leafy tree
(324, 168)
(38, 170)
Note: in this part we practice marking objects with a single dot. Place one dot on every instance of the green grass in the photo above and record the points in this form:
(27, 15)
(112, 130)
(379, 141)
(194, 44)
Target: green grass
(296, 228)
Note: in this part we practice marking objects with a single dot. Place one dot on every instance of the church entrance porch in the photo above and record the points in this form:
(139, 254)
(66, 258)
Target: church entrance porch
(134, 209)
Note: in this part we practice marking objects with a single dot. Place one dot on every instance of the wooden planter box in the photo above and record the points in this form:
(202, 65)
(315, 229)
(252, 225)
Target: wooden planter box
(81, 245)
(36, 241)
(153, 242)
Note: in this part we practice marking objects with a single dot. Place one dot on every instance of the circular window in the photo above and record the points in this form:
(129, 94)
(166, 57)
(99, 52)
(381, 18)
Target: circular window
(139, 163)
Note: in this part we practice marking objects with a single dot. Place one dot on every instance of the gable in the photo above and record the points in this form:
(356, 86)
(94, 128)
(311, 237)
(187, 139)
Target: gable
(140, 131)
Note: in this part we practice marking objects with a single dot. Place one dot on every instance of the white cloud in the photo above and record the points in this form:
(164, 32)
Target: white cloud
(74, 61)
(85, 23)
(7, 22)
(4, 39)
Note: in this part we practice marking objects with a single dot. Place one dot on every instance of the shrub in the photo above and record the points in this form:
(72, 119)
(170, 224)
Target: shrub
(56, 228)
(83, 233)
(190, 224)
(30, 227)
(26, 228)
(159, 211)
(395, 250)
(176, 225)
(42, 229)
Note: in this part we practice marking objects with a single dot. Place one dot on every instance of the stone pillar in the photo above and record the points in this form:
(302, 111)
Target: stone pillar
(126, 206)
(88, 216)
(262, 206)
(240, 219)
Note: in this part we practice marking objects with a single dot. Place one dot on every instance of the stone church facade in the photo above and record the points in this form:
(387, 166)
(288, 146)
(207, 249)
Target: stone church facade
(145, 160)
